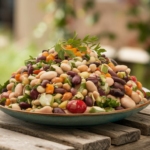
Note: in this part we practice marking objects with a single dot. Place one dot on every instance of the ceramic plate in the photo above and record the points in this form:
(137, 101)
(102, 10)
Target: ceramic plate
(71, 120)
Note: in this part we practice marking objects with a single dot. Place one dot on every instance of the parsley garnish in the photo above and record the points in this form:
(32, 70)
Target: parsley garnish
(79, 44)
(4, 86)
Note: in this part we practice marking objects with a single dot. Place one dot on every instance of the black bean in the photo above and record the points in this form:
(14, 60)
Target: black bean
(40, 58)
(30, 70)
(101, 92)
(71, 73)
(57, 60)
(119, 108)
(44, 51)
(119, 86)
(58, 111)
(46, 68)
(112, 73)
(93, 79)
(116, 92)
(24, 105)
(34, 94)
(44, 83)
(73, 91)
(76, 80)
(3, 103)
(114, 62)
(88, 101)
(119, 80)
(60, 90)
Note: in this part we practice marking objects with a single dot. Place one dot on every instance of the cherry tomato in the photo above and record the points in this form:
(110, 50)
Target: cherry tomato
(76, 106)
(5, 94)
(133, 78)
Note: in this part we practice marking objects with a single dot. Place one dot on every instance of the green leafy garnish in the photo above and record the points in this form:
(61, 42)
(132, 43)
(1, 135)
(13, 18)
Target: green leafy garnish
(3, 99)
(106, 102)
(79, 44)
(148, 94)
(87, 55)
(35, 87)
(24, 99)
(4, 86)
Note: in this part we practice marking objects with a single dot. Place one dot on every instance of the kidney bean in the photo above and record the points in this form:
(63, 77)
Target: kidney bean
(57, 60)
(13, 76)
(29, 65)
(58, 110)
(88, 101)
(4, 90)
(40, 58)
(3, 103)
(24, 105)
(119, 108)
(76, 80)
(93, 79)
(34, 94)
(112, 73)
(101, 92)
(56, 56)
(46, 68)
(44, 51)
(116, 92)
(73, 91)
(30, 70)
(103, 55)
(126, 78)
(119, 80)
(60, 90)
(119, 86)
(71, 73)
(23, 70)
(44, 82)
(114, 62)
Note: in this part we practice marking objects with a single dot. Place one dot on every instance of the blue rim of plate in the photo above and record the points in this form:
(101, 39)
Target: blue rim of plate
(80, 114)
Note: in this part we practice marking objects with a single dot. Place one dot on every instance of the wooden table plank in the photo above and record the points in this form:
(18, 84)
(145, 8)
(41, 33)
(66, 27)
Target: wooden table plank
(142, 144)
(139, 121)
(79, 139)
(11, 140)
(119, 134)
(145, 111)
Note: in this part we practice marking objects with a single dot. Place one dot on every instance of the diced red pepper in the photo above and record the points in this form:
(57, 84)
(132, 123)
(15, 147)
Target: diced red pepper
(37, 71)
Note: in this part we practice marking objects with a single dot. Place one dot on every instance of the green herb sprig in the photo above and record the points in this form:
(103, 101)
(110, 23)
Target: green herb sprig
(79, 44)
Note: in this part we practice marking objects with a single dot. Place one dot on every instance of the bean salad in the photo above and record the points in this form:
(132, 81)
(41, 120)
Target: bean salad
(74, 76)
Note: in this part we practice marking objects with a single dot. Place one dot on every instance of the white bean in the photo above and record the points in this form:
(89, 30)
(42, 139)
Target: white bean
(120, 67)
(58, 69)
(35, 82)
(65, 67)
(48, 75)
(9, 86)
(91, 86)
(18, 90)
(110, 81)
(82, 68)
(127, 102)
(45, 109)
(40, 89)
(16, 107)
(92, 67)
(135, 97)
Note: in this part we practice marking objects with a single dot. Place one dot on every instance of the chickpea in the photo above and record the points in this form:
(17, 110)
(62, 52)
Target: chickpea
(57, 96)
(67, 86)
(59, 84)
(55, 105)
(84, 92)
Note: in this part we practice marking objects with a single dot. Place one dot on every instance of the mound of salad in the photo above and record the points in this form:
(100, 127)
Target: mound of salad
(72, 77)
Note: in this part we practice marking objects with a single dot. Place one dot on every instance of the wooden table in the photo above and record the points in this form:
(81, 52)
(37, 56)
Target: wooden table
(132, 133)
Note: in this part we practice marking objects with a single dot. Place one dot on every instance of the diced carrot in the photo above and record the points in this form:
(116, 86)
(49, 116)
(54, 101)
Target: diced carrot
(128, 90)
(37, 71)
(9, 92)
(50, 57)
(74, 50)
(108, 75)
(97, 69)
(139, 85)
(66, 96)
(50, 88)
(7, 103)
(78, 54)
(28, 109)
(69, 47)
(17, 77)
(13, 73)
(111, 65)
(45, 54)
